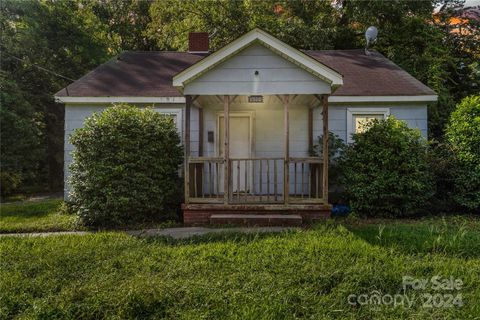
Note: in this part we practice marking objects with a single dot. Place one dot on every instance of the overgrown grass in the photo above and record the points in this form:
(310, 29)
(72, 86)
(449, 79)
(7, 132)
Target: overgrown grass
(454, 236)
(299, 274)
(33, 216)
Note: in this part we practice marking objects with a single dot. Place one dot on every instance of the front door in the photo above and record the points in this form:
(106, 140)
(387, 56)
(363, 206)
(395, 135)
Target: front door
(240, 148)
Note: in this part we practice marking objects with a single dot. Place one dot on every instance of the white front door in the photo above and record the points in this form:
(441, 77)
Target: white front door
(240, 147)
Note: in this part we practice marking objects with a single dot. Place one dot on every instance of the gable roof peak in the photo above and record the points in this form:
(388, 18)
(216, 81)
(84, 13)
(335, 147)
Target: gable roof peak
(296, 56)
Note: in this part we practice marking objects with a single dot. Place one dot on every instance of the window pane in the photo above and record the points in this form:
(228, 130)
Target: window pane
(362, 121)
(174, 116)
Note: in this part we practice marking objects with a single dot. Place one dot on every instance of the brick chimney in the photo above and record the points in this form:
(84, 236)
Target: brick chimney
(198, 42)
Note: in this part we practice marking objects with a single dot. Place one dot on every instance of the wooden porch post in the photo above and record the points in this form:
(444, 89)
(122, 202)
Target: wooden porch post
(188, 105)
(200, 132)
(325, 147)
(226, 150)
(199, 166)
(310, 131)
(314, 169)
(286, 166)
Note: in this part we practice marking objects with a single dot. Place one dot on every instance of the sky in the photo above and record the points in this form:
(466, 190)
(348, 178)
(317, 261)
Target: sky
(471, 3)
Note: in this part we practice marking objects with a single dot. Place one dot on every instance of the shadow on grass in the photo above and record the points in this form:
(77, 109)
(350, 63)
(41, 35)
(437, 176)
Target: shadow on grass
(30, 209)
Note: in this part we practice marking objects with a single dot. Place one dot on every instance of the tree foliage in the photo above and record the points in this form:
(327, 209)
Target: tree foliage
(125, 166)
(59, 36)
(20, 138)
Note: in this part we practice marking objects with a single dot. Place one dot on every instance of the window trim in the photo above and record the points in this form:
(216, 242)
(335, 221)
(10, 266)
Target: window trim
(351, 112)
(173, 111)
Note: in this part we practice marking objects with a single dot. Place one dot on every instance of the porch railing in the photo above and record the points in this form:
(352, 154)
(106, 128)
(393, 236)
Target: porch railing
(255, 180)
(206, 179)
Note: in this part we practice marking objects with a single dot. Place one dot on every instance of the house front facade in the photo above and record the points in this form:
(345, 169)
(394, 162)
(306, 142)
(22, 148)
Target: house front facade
(250, 115)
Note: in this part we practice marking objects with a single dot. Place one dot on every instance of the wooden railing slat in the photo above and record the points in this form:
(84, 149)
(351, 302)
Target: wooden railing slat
(253, 169)
(268, 180)
(261, 178)
(195, 180)
(238, 179)
(275, 181)
(245, 182)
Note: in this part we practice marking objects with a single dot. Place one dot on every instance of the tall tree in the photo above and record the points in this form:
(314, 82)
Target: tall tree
(59, 36)
(125, 23)
(303, 24)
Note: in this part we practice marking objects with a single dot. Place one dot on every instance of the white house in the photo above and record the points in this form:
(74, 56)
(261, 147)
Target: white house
(249, 115)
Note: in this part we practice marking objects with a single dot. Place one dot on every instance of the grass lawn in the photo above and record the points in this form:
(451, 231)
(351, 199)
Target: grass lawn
(32, 216)
(299, 274)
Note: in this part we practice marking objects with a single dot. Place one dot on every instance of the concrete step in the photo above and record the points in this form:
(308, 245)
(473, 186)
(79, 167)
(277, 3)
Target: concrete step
(257, 219)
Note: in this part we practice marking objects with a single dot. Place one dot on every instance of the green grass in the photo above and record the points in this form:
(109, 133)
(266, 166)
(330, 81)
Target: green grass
(454, 236)
(35, 216)
(49, 215)
(299, 274)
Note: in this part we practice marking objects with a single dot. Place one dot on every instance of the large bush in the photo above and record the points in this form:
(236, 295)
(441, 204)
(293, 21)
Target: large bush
(463, 132)
(385, 171)
(442, 164)
(125, 166)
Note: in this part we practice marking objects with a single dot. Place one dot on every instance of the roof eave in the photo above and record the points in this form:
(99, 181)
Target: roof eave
(389, 98)
(118, 99)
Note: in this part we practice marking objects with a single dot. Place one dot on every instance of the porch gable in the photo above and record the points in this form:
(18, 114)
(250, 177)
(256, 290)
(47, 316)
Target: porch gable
(257, 70)
(258, 63)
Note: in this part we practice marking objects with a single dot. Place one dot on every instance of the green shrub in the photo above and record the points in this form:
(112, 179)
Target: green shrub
(463, 132)
(385, 171)
(9, 182)
(443, 165)
(125, 166)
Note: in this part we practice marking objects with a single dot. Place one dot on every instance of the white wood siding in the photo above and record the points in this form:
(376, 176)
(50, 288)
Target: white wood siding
(276, 76)
(415, 115)
(267, 125)
(76, 114)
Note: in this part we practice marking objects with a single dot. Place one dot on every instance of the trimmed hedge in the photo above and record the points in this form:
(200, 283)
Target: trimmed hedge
(385, 171)
(125, 166)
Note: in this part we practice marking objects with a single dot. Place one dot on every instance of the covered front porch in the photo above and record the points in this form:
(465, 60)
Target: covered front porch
(254, 155)
(253, 110)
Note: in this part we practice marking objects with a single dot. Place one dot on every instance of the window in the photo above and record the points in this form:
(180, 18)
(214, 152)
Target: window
(362, 121)
(176, 115)
(358, 119)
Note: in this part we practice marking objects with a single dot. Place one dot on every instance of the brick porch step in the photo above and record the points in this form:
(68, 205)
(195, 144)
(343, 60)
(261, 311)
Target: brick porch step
(257, 219)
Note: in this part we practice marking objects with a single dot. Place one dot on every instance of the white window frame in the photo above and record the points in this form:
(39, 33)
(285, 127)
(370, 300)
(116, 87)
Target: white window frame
(351, 112)
(173, 111)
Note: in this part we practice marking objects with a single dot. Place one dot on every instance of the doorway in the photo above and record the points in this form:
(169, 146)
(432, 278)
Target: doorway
(240, 148)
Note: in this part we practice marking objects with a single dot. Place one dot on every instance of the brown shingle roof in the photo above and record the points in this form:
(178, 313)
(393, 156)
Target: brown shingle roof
(142, 74)
(369, 75)
(149, 74)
